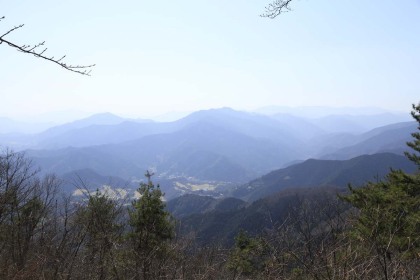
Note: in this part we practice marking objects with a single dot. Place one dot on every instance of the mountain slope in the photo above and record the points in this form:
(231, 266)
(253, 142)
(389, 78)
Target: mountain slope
(196, 204)
(201, 150)
(314, 173)
(94, 130)
(264, 214)
(97, 119)
(390, 138)
(357, 123)
(89, 179)
(206, 151)
(103, 134)
(71, 159)
(250, 124)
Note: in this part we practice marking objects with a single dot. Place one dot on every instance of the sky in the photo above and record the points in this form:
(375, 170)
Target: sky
(154, 57)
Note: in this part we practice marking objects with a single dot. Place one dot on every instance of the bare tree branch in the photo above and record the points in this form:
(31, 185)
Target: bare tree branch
(276, 8)
(36, 51)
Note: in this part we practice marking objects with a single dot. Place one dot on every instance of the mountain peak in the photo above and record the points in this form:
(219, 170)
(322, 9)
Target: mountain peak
(105, 117)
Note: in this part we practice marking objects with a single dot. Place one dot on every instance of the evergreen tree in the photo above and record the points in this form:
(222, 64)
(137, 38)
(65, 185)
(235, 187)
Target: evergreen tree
(151, 228)
(389, 214)
(248, 257)
(415, 144)
(102, 228)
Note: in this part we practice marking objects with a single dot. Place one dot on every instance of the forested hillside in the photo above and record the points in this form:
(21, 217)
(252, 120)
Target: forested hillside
(209, 140)
(333, 173)
(308, 233)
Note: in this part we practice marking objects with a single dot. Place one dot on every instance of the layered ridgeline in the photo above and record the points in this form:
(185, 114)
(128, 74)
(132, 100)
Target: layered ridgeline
(210, 150)
(291, 214)
(218, 221)
(328, 173)
(264, 203)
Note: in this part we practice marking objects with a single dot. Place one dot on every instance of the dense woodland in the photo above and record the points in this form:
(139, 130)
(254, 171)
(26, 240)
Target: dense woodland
(370, 232)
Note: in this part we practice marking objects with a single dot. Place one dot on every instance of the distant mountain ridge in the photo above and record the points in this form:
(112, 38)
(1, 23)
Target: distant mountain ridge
(357, 123)
(217, 145)
(106, 128)
(9, 126)
(386, 139)
(200, 150)
(316, 173)
(83, 132)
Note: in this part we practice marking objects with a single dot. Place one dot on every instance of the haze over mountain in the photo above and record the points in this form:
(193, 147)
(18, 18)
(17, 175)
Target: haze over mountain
(390, 138)
(108, 128)
(96, 129)
(315, 112)
(331, 173)
(209, 146)
(200, 150)
(97, 119)
(9, 126)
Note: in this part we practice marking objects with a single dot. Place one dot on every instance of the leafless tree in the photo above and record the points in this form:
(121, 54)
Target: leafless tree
(25, 203)
(39, 50)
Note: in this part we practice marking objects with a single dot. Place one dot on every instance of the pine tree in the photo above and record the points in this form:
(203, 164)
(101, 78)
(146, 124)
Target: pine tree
(389, 214)
(248, 257)
(415, 144)
(151, 228)
(102, 228)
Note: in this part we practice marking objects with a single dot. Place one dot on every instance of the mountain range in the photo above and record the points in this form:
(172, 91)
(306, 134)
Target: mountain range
(218, 147)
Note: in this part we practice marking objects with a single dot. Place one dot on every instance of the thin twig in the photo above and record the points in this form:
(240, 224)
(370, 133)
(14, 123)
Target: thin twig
(81, 69)
(276, 8)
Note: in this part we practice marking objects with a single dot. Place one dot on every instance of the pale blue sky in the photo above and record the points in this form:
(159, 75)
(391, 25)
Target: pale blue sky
(158, 56)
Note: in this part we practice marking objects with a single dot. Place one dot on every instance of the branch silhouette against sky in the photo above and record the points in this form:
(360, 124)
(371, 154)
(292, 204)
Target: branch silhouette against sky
(355, 54)
(39, 50)
(276, 8)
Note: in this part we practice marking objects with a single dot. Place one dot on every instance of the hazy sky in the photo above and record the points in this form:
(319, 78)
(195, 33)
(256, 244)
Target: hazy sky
(158, 56)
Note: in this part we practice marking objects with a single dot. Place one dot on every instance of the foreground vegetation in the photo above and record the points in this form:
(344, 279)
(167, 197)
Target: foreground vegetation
(371, 232)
